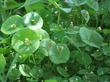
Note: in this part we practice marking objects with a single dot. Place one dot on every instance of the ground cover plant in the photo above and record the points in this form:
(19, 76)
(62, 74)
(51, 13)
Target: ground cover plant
(54, 40)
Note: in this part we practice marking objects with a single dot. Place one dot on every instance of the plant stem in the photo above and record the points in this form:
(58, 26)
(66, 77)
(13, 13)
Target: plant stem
(58, 20)
(10, 68)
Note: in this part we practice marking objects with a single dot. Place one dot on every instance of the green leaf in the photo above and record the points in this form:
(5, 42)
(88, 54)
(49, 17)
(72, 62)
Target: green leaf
(107, 61)
(83, 58)
(31, 2)
(22, 57)
(36, 72)
(75, 79)
(40, 55)
(59, 53)
(104, 78)
(50, 81)
(12, 24)
(33, 20)
(106, 50)
(91, 37)
(103, 70)
(77, 2)
(24, 70)
(62, 71)
(90, 77)
(14, 74)
(25, 41)
(85, 15)
(9, 4)
(43, 33)
(93, 4)
(46, 44)
(2, 63)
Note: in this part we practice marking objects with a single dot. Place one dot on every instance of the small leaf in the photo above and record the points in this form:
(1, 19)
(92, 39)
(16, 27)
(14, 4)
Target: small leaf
(25, 41)
(33, 20)
(59, 53)
(91, 37)
(12, 24)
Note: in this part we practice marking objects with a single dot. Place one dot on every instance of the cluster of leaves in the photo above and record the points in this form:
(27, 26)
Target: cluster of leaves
(56, 40)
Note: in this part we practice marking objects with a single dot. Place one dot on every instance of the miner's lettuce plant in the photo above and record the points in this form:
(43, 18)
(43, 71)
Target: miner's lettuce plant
(54, 41)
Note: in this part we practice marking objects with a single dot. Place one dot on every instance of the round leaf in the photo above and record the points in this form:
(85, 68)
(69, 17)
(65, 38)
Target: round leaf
(59, 53)
(91, 37)
(12, 24)
(26, 41)
(33, 20)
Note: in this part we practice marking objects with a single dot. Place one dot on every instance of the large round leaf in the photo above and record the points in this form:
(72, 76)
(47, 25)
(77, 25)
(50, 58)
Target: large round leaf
(91, 37)
(26, 41)
(33, 20)
(2, 63)
(59, 53)
(12, 24)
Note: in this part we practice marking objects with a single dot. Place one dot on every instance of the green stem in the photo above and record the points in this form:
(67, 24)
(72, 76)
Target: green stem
(96, 16)
(10, 68)
(58, 20)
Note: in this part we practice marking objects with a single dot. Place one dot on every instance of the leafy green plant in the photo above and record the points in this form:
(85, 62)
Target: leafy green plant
(54, 41)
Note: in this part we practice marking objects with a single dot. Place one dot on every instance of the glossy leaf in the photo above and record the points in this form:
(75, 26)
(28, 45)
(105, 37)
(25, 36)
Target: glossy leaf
(24, 70)
(26, 41)
(12, 24)
(33, 20)
(43, 34)
(59, 53)
(91, 37)
(93, 4)
(46, 44)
